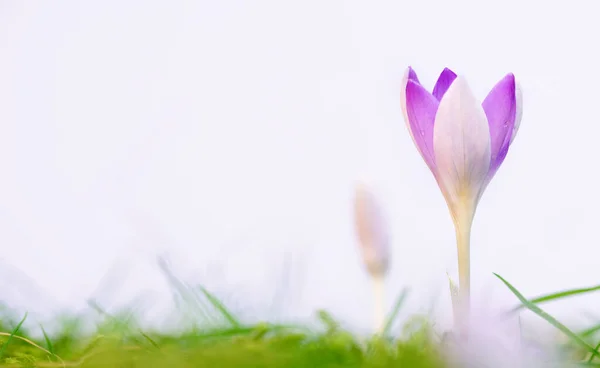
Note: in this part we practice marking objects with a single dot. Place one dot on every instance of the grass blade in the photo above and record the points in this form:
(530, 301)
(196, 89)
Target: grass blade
(590, 331)
(327, 319)
(150, 340)
(548, 318)
(221, 308)
(48, 342)
(592, 356)
(559, 295)
(392, 316)
(12, 334)
(181, 290)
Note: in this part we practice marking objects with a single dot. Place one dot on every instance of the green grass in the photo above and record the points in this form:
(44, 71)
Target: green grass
(118, 344)
(227, 341)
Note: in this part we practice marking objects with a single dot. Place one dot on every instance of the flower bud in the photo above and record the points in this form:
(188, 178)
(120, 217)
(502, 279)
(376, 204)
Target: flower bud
(371, 232)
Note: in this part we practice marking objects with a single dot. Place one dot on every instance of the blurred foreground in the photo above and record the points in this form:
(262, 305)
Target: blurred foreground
(221, 339)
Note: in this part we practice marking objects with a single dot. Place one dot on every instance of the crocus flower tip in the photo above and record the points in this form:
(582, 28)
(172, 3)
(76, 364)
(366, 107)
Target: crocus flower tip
(447, 70)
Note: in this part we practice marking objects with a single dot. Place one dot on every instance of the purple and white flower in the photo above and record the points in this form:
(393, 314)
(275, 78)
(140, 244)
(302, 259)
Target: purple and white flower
(463, 142)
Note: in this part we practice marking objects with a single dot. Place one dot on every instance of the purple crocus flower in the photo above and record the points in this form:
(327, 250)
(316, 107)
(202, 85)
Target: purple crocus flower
(463, 142)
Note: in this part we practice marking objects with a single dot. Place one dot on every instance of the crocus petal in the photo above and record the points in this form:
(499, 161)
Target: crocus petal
(421, 108)
(412, 75)
(500, 109)
(409, 74)
(443, 83)
(461, 144)
(519, 114)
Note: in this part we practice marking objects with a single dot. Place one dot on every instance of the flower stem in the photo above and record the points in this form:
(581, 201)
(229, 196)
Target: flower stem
(379, 304)
(463, 243)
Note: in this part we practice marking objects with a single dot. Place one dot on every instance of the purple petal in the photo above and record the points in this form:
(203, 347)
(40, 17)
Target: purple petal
(500, 107)
(412, 75)
(443, 83)
(421, 108)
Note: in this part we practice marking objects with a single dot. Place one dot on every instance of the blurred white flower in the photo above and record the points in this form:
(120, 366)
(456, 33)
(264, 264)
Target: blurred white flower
(495, 340)
(373, 240)
(371, 231)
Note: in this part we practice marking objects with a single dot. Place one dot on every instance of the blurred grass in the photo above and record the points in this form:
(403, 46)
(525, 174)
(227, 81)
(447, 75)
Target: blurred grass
(215, 337)
(120, 344)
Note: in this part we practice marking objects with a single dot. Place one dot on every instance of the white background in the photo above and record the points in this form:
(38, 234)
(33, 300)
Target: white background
(229, 135)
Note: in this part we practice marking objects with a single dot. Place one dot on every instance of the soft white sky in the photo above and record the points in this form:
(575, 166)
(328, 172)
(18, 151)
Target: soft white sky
(229, 135)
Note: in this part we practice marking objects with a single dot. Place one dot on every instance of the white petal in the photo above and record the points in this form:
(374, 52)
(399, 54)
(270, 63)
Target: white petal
(403, 102)
(461, 143)
(519, 114)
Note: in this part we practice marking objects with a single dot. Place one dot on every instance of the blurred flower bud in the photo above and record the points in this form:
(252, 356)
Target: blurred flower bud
(371, 231)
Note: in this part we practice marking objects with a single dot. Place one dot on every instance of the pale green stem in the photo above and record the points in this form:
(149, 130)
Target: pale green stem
(463, 242)
(379, 303)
